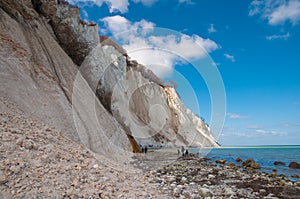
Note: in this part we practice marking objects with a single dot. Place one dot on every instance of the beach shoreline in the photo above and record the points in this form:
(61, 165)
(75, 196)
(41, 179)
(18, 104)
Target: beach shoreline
(191, 177)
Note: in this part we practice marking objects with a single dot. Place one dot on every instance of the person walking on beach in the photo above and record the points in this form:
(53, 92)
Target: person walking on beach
(146, 149)
(186, 152)
(182, 151)
(142, 149)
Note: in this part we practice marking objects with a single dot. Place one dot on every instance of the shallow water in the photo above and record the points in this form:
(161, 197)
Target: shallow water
(264, 155)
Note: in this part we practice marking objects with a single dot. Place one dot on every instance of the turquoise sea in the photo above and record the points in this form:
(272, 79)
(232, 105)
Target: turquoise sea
(264, 155)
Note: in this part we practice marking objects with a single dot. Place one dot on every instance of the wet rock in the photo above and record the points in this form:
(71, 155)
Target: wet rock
(238, 160)
(250, 163)
(274, 173)
(294, 165)
(295, 176)
(279, 163)
(221, 161)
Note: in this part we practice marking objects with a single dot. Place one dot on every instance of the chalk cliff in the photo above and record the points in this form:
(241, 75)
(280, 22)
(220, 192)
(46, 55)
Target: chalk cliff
(44, 44)
(148, 109)
(38, 76)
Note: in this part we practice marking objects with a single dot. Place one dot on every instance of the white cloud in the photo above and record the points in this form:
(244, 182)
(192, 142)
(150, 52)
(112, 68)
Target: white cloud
(236, 116)
(117, 25)
(229, 57)
(159, 53)
(275, 133)
(211, 29)
(114, 5)
(290, 124)
(253, 126)
(189, 2)
(276, 11)
(85, 14)
(261, 131)
(255, 7)
(145, 2)
(239, 134)
(215, 64)
(289, 11)
(273, 37)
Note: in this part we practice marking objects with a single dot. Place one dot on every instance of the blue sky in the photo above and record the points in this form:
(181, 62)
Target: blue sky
(255, 46)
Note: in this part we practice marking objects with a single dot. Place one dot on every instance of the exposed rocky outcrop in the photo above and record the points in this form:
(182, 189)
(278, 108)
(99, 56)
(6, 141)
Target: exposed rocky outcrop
(148, 109)
(38, 76)
(77, 37)
(279, 163)
(251, 164)
(294, 165)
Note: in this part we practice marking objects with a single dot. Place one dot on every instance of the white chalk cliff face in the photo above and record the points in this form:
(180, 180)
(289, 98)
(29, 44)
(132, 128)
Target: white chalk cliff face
(44, 42)
(148, 110)
(38, 77)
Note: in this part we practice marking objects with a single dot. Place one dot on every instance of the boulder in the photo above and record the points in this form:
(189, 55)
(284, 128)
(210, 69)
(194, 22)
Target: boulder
(279, 163)
(294, 165)
(204, 192)
(239, 160)
(295, 176)
(221, 161)
(250, 163)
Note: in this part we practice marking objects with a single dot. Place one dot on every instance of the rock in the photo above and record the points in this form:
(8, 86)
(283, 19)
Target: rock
(183, 179)
(95, 166)
(274, 173)
(239, 160)
(28, 144)
(295, 176)
(251, 164)
(262, 191)
(221, 161)
(232, 165)
(210, 176)
(177, 190)
(205, 192)
(229, 192)
(270, 196)
(171, 179)
(279, 163)
(204, 159)
(294, 165)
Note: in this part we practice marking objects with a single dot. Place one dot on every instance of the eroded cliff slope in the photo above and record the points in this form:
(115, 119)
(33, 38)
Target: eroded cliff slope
(37, 75)
(44, 43)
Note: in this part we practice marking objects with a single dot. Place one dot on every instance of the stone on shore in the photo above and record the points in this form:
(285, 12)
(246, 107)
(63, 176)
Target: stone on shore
(239, 160)
(221, 161)
(279, 163)
(205, 192)
(250, 163)
(294, 165)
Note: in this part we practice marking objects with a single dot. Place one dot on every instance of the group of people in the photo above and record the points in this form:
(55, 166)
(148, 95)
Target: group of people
(144, 149)
(184, 152)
